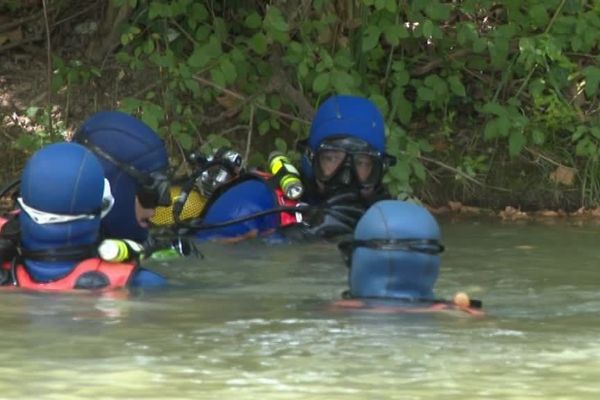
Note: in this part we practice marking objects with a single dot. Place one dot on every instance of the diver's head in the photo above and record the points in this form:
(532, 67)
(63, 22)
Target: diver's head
(394, 253)
(345, 150)
(135, 161)
(63, 197)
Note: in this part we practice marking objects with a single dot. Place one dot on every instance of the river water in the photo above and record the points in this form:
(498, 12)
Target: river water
(251, 321)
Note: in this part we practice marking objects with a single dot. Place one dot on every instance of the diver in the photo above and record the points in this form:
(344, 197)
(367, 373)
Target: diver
(343, 163)
(51, 241)
(135, 162)
(345, 151)
(394, 261)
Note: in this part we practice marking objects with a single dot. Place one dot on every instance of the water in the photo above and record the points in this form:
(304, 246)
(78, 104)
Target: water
(251, 321)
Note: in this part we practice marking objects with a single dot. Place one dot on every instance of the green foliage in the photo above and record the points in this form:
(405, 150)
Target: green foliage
(74, 72)
(513, 75)
(42, 130)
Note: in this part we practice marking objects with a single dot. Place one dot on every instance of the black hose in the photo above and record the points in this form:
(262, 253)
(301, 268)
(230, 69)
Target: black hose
(10, 186)
(197, 225)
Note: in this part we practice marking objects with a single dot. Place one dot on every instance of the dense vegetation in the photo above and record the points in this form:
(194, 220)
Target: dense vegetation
(487, 102)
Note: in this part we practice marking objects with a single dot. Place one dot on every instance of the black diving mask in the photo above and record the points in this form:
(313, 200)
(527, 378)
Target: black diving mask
(426, 246)
(153, 189)
(346, 161)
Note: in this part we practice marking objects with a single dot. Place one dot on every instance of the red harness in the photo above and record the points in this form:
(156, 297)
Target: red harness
(285, 218)
(92, 273)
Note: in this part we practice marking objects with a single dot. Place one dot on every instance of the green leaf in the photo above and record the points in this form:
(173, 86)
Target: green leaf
(157, 9)
(321, 82)
(203, 54)
(495, 108)
(281, 145)
(199, 58)
(192, 85)
(264, 127)
(538, 137)
(456, 86)
(404, 109)
(253, 21)
(391, 34)
(466, 32)
(428, 28)
(437, 11)
(479, 45)
(149, 46)
(391, 5)
(258, 43)
(491, 130)
(343, 82)
(426, 94)
(516, 142)
(274, 20)
(538, 15)
(186, 141)
(592, 80)
(380, 4)
(503, 125)
(381, 103)
(303, 70)
(371, 38)
(199, 13)
(218, 77)
(401, 171)
(152, 115)
(419, 170)
(229, 71)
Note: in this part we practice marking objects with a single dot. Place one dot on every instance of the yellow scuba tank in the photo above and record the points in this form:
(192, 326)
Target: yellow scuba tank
(192, 208)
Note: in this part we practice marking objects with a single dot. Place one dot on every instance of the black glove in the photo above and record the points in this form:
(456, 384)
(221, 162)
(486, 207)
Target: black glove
(338, 215)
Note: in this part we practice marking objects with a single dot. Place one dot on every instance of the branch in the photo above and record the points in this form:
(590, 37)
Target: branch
(462, 174)
(433, 64)
(249, 139)
(20, 42)
(11, 25)
(238, 96)
(49, 64)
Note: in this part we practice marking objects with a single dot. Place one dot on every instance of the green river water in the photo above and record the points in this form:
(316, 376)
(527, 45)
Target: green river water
(251, 321)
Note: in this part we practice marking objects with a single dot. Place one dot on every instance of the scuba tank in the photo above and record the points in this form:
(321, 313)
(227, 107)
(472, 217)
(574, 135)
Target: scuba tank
(286, 175)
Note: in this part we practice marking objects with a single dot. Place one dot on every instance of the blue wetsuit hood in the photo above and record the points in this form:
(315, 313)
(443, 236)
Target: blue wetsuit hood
(130, 141)
(64, 179)
(345, 115)
(396, 274)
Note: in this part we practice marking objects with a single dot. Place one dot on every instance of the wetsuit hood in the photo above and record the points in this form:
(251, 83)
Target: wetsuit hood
(390, 273)
(128, 140)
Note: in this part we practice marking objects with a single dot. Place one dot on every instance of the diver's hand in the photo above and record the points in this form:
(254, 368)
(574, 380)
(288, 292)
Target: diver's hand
(338, 215)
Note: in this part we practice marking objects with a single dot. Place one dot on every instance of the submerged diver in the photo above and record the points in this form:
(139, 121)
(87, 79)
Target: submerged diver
(394, 262)
(343, 164)
(51, 243)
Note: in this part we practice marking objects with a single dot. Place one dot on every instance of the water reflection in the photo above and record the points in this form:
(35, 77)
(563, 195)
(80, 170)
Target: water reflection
(252, 321)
